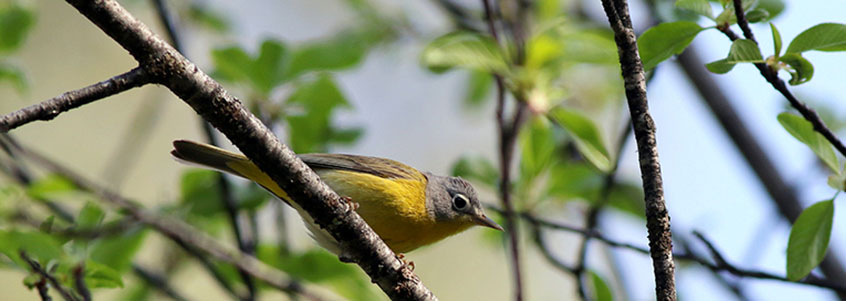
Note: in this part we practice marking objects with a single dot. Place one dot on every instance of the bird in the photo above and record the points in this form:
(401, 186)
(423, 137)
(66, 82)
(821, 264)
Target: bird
(407, 208)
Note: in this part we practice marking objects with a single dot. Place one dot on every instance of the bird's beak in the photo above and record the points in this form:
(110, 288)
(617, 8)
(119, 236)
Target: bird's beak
(483, 220)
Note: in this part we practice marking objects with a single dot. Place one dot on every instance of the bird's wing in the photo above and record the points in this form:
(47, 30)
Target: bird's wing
(380, 167)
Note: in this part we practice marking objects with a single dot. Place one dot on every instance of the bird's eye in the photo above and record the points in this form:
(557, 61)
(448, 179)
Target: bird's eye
(459, 201)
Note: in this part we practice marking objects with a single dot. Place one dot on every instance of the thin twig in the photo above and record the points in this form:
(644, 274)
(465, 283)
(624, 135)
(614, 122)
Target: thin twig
(772, 77)
(49, 109)
(43, 292)
(23, 178)
(725, 267)
(79, 282)
(174, 229)
(507, 141)
(36, 268)
(657, 217)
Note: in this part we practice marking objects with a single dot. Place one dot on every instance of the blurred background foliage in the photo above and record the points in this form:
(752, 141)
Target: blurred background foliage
(573, 139)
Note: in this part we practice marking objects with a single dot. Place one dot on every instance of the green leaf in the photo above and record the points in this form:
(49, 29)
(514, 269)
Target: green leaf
(478, 88)
(776, 39)
(574, 180)
(727, 16)
(50, 186)
(665, 40)
(47, 225)
(90, 216)
(757, 15)
(809, 239)
(15, 22)
(700, 7)
(464, 50)
(587, 136)
(802, 71)
(537, 145)
(599, 289)
(628, 198)
(311, 131)
(101, 276)
(803, 131)
(269, 67)
(721, 66)
(586, 46)
(772, 7)
(200, 192)
(837, 181)
(744, 51)
(822, 37)
(14, 76)
(117, 251)
(343, 51)
(39, 246)
(476, 168)
(232, 64)
(202, 15)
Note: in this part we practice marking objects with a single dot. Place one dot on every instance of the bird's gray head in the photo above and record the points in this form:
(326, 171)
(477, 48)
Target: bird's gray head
(454, 199)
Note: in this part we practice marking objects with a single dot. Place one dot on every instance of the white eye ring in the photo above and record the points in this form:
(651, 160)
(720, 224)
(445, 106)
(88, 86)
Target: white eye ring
(460, 202)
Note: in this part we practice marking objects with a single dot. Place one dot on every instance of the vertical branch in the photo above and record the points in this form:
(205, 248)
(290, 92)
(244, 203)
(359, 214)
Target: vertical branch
(224, 185)
(79, 282)
(657, 217)
(507, 137)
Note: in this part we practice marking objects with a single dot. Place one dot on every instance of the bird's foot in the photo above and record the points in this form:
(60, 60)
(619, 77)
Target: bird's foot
(351, 206)
(406, 263)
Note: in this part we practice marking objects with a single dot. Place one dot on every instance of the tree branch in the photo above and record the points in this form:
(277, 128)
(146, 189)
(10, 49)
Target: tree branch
(722, 266)
(182, 233)
(508, 131)
(36, 268)
(49, 109)
(79, 282)
(168, 67)
(772, 77)
(657, 217)
(784, 195)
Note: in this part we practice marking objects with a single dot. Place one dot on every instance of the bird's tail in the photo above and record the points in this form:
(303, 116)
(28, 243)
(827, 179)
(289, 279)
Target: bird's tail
(208, 156)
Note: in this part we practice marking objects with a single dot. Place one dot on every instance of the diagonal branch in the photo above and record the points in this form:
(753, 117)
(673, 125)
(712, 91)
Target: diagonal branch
(183, 234)
(49, 109)
(772, 77)
(784, 195)
(38, 269)
(657, 217)
(168, 67)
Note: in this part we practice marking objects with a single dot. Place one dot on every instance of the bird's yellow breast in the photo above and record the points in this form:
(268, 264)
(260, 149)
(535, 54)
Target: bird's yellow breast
(394, 208)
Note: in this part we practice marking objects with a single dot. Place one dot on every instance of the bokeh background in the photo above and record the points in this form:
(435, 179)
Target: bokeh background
(418, 117)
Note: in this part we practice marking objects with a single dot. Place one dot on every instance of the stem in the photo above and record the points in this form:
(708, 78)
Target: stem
(657, 217)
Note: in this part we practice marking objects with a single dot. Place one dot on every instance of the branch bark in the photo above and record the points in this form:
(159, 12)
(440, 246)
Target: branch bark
(168, 67)
(49, 109)
(657, 217)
